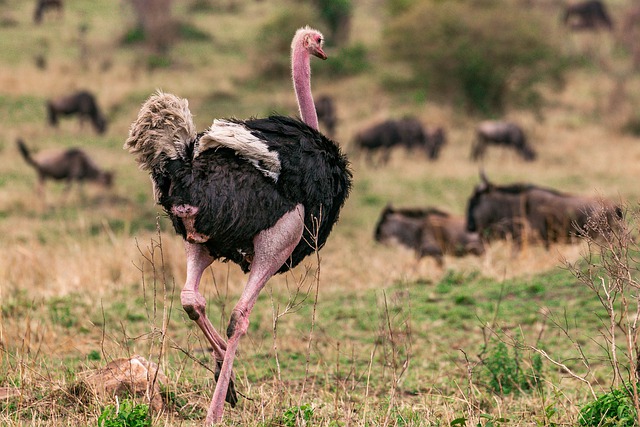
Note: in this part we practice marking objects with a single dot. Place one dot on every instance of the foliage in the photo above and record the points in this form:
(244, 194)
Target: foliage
(127, 414)
(397, 7)
(455, 50)
(610, 271)
(611, 409)
(275, 38)
(181, 405)
(189, 32)
(490, 421)
(506, 373)
(133, 36)
(337, 15)
(350, 60)
(295, 416)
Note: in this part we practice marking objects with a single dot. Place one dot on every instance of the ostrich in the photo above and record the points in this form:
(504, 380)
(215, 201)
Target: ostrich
(263, 193)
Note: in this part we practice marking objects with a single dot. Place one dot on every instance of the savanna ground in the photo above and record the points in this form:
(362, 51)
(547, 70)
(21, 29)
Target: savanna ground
(362, 334)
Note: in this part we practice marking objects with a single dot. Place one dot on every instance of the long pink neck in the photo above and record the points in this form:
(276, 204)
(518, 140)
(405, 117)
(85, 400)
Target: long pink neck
(301, 70)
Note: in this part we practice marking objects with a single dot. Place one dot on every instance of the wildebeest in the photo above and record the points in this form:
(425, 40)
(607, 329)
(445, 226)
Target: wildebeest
(587, 15)
(82, 103)
(68, 165)
(508, 134)
(379, 138)
(42, 6)
(532, 213)
(326, 111)
(407, 132)
(429, 231)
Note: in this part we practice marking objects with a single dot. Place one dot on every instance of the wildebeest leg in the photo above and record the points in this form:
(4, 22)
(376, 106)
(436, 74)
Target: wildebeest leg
(40, 189)
(477, 151)
(369, 157)
(386, 154)
(433, 251)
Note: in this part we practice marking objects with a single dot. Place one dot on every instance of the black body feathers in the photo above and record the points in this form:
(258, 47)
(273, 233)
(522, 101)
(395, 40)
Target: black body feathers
(236, 201)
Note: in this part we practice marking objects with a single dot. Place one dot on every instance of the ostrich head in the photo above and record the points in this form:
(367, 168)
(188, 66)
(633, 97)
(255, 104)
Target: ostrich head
(311, 40)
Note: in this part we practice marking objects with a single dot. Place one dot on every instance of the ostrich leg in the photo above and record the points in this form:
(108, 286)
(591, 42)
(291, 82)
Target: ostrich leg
(272, 248)
(198, 259)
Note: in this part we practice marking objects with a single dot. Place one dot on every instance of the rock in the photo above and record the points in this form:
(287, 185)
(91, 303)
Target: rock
(135, 376)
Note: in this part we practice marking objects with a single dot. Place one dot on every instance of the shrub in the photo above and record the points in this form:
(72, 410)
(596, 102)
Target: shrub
(506, 373)
(294, 416)
(275, 38)
(611, 409)
(350, 60)
(337, 15)
(484, 55)
(128, 414)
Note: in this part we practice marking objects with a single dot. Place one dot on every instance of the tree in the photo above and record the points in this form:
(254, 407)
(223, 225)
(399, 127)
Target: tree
(486, 54)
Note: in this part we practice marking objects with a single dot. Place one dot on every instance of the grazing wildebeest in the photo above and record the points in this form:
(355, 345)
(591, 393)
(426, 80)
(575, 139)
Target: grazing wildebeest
(532, 213)
(82, 103)
(407, 132)
(587, 15)
(378, 138)
(68, 165)
(42, 6)
(430, 232)
(326, 111)
(508, 134)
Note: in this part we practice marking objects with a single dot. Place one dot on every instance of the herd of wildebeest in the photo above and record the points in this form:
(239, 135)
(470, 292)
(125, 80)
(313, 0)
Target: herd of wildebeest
(516, 211)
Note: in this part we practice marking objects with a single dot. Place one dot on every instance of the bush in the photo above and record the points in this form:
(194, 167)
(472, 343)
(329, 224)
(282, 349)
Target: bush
(337, 15)
(506, 374)
(275, 38)
(128, 414)
(484, 55)
(350, 60)
(611, 409)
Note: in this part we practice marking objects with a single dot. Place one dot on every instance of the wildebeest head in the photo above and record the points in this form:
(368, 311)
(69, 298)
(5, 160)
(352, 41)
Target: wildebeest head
(393, 226)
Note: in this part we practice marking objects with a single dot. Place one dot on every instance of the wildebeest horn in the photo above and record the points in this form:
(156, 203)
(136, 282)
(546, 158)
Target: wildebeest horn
(483, 176)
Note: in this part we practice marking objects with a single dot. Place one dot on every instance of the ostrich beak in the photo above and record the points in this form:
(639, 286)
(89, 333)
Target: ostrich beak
(319, 53)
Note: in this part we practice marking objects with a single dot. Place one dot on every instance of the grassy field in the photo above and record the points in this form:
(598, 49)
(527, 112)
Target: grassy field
(361, 335)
